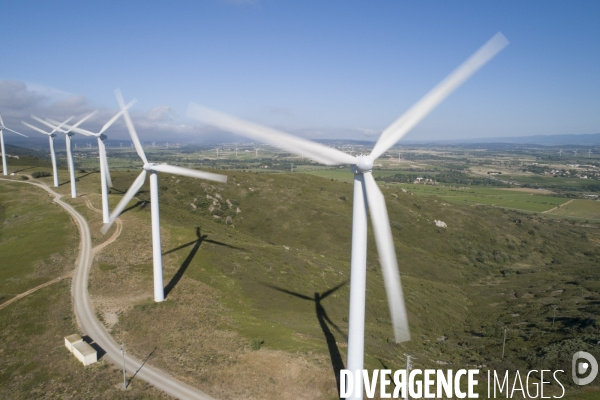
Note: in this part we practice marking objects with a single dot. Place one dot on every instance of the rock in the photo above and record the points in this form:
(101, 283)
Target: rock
(216, 217)
(211, 208)
(238, 210)
(395, 195)
(440, 224)
(404, 190)
(193, 206)
(218, 196)
(228, 221)
(286, 247)
(229, 204)
(208, 196)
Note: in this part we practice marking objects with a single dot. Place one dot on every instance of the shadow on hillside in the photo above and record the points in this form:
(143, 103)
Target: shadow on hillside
(76, 178)
(141, 366)
(24, 169)
(337, 363)
(574, 322)
(186, 263)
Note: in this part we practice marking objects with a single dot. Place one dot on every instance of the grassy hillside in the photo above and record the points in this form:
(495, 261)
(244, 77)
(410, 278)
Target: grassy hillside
(242, 320)
(255, 281)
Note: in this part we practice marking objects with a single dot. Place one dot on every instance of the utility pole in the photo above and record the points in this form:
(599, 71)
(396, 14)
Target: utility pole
(504, 343)
(554, 316)
(124, 376)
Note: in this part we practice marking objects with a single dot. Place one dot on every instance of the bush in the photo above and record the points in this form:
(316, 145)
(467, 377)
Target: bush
(41, 174)
(256, 344)
(24, 177)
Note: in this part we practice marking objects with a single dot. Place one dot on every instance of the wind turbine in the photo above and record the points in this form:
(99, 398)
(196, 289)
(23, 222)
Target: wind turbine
(560, 153)
(589, 153)
(153, 169)
(51, 135)
(2, 127)
(105, 179)
(236, 150)
(89, 146)
(575, 153)
(68, 134)
(366, 192)
(256, 154)
(217, 149)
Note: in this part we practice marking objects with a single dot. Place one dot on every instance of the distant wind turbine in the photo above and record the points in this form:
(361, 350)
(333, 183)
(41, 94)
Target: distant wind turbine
(105, 179)
(68, 137)
(366, 192)
(51, 135)
(153, 168)
(2, 127)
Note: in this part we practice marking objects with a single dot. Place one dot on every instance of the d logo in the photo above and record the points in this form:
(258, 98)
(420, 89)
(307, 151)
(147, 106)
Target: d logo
(582, 367)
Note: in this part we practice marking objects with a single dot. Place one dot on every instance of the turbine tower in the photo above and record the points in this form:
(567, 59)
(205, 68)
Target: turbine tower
(2, 127)
(256, 154)
(236, 150)
(153, 169)
(51, 135)
(68, 134)
(105, 179)
(560, 153)
(366, 192)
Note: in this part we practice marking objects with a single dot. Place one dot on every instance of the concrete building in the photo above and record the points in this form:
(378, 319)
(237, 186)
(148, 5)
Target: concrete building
(72, 340)
(82, 350)
(85, 353)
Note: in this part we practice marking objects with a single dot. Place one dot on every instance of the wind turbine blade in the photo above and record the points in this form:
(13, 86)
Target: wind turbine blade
(417, 112)
(35, 128)
(133, 189)
(130, 127)
(291, 143)
(116, 116)
(387, 258)
(104, 161)
(15, 132)
(56, 125)
(84, 132)
(192, 173)
(1, 122)
(48, 124)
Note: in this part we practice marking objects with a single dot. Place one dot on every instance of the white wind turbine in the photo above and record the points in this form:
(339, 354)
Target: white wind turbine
(2, 127)
(105, 179)
(560, 153)
(153, 168)
(51, 135)
(366, 192)
(256, 154)
(68, 134)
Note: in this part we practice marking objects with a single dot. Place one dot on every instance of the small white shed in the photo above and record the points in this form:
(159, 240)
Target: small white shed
(72, 340)
(85, 353)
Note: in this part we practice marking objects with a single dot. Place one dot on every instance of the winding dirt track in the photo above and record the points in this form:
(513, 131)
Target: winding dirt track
(90, 326)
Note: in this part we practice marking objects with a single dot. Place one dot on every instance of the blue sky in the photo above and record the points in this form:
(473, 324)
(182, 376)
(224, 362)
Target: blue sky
(316, 68)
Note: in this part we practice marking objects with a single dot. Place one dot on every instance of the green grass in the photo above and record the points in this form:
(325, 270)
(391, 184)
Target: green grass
(580, 209)
(489, 196)
(459, 282)
(38, 241)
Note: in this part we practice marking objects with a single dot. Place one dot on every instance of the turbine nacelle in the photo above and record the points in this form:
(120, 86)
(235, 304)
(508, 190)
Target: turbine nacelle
(364, 163)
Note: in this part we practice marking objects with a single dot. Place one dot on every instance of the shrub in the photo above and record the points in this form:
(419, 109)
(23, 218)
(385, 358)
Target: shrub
(24, 177)
(256, 344)
(41, 174)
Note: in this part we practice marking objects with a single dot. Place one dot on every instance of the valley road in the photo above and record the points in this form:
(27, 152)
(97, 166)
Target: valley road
(90, 325)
